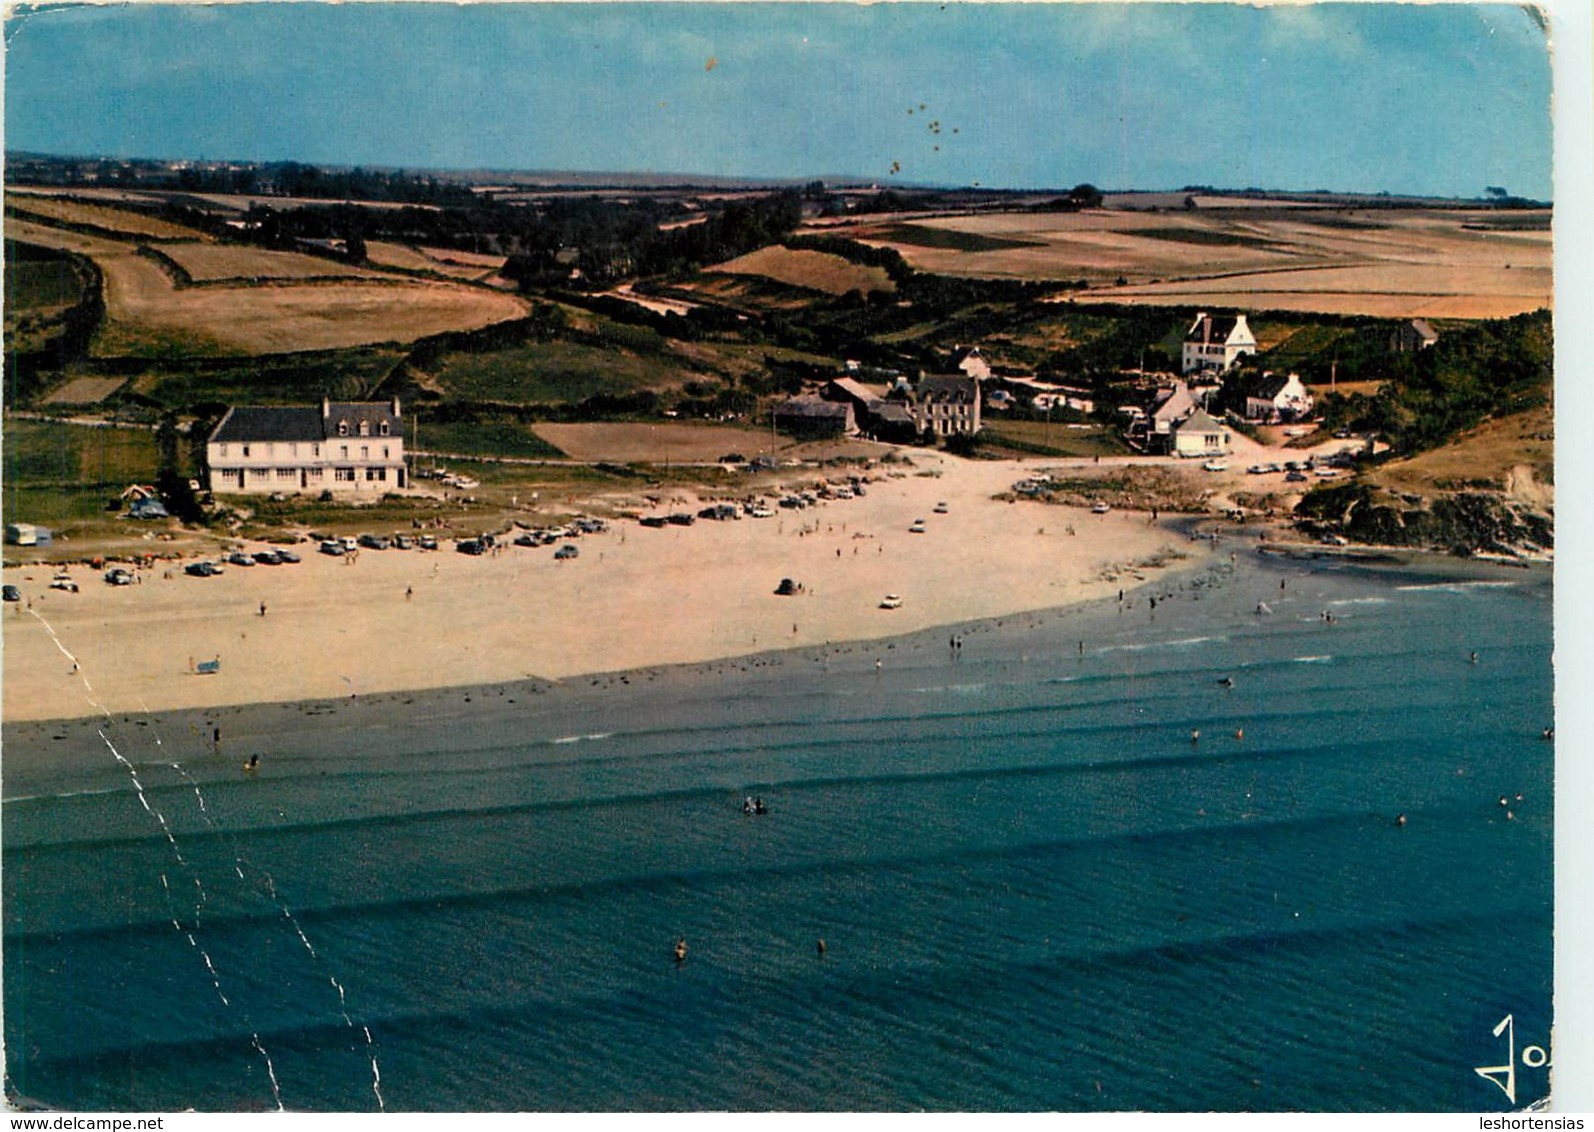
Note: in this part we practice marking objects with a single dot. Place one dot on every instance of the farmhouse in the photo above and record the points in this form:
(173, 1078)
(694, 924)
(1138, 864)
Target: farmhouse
(941, 405)
(816, 417)
(350, 447)
(1199, 435)
(1409, 337)
(1216, 343)
(1271, 398)
(968, 360)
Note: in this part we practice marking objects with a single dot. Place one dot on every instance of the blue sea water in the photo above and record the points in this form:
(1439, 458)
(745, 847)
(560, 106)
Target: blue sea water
(1037, 890)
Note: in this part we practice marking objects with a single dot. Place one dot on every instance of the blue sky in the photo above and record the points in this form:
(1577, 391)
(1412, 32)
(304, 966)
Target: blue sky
(1436, 99)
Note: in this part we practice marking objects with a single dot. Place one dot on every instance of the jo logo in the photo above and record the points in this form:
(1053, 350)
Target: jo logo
(1505, 1075)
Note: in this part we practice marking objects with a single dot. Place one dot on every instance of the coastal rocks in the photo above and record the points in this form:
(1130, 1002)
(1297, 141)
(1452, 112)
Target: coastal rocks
(1463, 522)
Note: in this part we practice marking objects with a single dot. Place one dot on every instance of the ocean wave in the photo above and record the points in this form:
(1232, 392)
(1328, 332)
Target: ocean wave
(596, 736)
(1152, 646)
(1456, 587)
(1314, 660)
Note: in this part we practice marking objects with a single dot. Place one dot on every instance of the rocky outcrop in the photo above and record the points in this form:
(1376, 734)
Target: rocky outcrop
(1461, 522)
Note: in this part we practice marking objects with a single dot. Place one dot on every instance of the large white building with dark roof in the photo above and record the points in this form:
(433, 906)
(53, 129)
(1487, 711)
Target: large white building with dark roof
(1215, 343)
(354, 447)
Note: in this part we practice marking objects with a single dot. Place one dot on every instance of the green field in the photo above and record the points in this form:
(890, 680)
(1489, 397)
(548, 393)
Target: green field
(485, 438)
(41, 284)
(1039, 438)
(60, 475)
(559, 372)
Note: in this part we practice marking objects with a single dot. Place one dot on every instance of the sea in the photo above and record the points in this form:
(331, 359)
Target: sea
(1278, 840)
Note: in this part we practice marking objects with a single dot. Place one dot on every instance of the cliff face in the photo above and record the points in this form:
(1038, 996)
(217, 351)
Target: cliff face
(1460, 522)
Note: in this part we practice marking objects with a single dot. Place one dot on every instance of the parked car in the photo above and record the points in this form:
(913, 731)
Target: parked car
(332, 546)
(239, 558)
(918, 527)
(287, 556)
(10, 593)
(528, 539)
(940, 508)
(373, 542)
(63, 582)
(268, 558)
(652, 520)
(568, 550)
(1215, 466)
(202, 569)
(786, 588)
(891, 601)
(402, 542)
(1295, 477)
(682, 518)
(119, 576)
(426, 542)
(470, 546)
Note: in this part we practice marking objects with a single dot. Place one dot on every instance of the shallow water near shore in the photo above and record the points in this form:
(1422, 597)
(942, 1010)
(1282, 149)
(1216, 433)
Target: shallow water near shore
(1037, 887)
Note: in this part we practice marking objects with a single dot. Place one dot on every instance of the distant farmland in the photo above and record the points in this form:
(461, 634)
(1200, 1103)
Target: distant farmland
(815, 271)
(301, 304)
(1427, 262)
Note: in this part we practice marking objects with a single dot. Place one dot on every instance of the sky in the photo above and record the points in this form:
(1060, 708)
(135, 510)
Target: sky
(1436, 99)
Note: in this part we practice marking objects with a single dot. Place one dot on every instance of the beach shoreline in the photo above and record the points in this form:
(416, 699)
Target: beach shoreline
(635, 598)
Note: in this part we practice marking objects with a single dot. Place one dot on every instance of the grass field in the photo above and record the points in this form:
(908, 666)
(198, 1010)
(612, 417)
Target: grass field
(1040, 438)
(147, 315)
(121, 220)
(815, 271)
(209, 263)
(557, 372)
(62, 476)
(1437, 263)
(1498, 452)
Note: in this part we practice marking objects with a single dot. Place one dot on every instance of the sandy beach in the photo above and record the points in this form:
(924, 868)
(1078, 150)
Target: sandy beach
(635, 597)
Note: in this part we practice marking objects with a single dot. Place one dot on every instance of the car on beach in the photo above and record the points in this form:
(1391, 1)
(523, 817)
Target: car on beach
(568, 550)
(63, 581)
(762, 513)
(1295, 477)
(1215, 466)
(118, 576)
(268, 558)
(286, 556)
(471, 546)
(202, 569)
(332, 546)
(941, 508)
(373, 542)
(10, 593)
(239, 558)
(426, 542)
(1099, 508)
(918, 527)
(891, 601)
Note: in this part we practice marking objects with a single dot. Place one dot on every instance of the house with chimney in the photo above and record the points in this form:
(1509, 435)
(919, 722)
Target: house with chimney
(345, 447)
(1215, 342)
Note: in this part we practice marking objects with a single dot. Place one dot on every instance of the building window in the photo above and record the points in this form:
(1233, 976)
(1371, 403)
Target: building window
(343, 451)
(373, 475)
(384, 428)
(314, 474)
(246, 451)
(286, 474)
(343, 428)
(384, 452)
(315, 450)
(343, 475)
(221, 450)
(260, 473)
(365, 451)
(365, 428)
